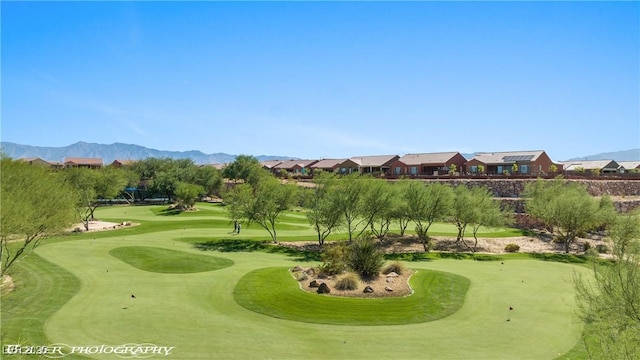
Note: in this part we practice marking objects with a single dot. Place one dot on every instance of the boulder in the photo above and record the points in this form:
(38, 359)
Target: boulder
(367, 289)
(297, 268)
(314, 284)
(392, 274)
(310, 271)
(388, 288)
(323, 289)
(389, 279)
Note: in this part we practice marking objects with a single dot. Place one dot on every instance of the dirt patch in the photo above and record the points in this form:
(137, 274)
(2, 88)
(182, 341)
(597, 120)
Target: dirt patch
(7, 284)
(391, 285)
(542, 242)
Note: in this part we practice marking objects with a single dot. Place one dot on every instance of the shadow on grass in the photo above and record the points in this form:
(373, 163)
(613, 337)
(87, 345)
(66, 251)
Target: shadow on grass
(170, 212)
(413, 257)
(563, 258)
(468, 256)
(241, 245)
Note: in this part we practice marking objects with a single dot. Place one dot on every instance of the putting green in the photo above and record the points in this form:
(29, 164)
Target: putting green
(274, 292)
(168, 261)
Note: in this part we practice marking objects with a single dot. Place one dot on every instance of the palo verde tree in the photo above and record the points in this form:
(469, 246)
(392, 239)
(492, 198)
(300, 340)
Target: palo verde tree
(400, 209)
(262, 203)
(610, 302)
(427, 204)
(246, 168)
(376, 206)
(36, 203)
(94, 184)
(322, 212)
(475, 207)
(348, 197)
(186, 194)
(567, 207)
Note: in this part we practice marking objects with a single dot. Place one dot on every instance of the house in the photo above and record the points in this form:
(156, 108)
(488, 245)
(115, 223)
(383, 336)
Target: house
(120, 163)
(329, 165)
(301, 167)
(630, 166)
(368, 164)
(91, 163)
(427, 163)
(269, 164)
(37, 161)
(591, 166)
(535, 162)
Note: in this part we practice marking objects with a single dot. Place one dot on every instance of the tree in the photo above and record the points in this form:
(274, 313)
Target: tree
(610, 304)
(262, 203)
(349, 198)
(488, 213)
(480, 169)
(426, 205)
(514, 168)
(467, 209)
(246, 168)
(91, 185)
(36, 203)
(187, 194)
(376, 202)
(452, 169)
(323, 213)
(567, 207)
(210, 179)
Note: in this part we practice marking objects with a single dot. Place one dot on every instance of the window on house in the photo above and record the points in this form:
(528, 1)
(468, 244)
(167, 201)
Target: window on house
(474, 169)
(397, 170)
(524, 169)
(413, 170)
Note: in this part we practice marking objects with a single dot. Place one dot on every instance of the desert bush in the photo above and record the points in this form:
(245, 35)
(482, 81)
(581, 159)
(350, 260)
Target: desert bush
(602, 248)
(347, 282)
(512, 248)
(396, 267)
(586, 246)
(364, 258)
(334, 258)
(591, 252)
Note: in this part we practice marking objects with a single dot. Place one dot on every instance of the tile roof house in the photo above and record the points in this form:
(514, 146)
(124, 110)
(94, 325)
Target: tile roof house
(427, 163)
(329, 165)
(630, 165)
(121, 163)
(37, 161)
(535, 162)
(294, 167)
(269, 164)
(602, 166)
(368, 164)
(91, 163)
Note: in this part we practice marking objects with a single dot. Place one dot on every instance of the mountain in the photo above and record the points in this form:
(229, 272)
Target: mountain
(119, 151)
(627, 155)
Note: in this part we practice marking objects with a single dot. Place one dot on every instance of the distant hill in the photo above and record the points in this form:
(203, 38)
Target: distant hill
(627, 155)
(119, 151)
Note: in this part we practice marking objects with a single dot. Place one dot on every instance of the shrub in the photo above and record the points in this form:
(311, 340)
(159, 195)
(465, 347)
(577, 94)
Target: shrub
(396, 267)
(586, 246)
(348, 282)
(602, 248)
(334, 259)
(364, 258)
(512, 248)
(591, 252)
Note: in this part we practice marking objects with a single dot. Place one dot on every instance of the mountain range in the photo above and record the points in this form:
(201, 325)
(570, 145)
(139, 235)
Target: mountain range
(114, 151)
(121, 151)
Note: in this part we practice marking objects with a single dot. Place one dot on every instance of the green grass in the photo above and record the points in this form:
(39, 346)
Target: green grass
(73, 291)
(168, 261)
(274, 292)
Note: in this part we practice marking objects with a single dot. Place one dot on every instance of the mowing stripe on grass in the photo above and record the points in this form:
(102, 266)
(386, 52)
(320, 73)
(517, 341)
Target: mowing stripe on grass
(274, 292)
(168, 261)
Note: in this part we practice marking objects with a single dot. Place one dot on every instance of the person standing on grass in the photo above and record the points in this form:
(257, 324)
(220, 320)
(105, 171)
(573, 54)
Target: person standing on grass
(238, 228)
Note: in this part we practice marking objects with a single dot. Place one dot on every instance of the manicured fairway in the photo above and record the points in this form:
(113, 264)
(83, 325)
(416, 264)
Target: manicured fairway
(198, 315)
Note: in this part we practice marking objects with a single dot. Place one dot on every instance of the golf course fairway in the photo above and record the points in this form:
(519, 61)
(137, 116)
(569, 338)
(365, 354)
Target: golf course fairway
(195, 312)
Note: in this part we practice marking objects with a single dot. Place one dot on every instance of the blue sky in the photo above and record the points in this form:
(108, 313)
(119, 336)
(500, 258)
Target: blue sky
(324, 79)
